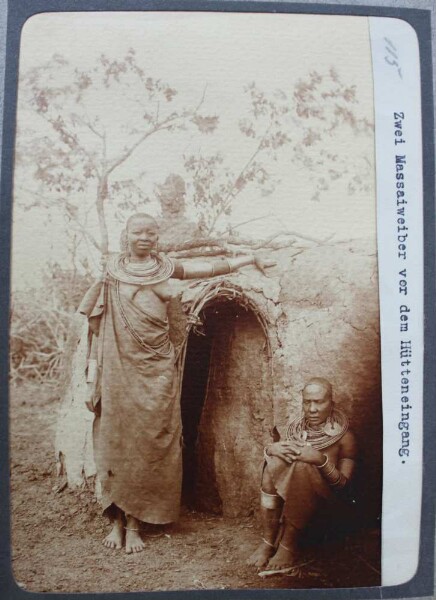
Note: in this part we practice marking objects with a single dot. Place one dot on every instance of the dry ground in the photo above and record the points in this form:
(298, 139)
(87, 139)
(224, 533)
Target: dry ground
(57, 536)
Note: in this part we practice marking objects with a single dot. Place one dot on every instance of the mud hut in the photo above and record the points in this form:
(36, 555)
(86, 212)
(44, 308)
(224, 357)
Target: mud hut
(246, 344)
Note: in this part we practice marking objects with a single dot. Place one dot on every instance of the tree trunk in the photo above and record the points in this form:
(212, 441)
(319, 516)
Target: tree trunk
(102, 194)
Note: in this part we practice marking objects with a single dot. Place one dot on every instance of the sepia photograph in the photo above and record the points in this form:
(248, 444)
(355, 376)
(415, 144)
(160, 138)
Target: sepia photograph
(195, 350)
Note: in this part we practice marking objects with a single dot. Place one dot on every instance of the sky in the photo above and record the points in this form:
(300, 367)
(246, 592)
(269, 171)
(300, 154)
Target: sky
(219, 52)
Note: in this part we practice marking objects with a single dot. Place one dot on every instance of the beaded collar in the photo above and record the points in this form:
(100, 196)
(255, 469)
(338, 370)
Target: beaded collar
(330, 432)
(159, 268)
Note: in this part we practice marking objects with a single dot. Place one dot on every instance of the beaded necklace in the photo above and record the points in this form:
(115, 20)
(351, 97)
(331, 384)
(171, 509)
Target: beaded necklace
(330, 432)
(157, 269)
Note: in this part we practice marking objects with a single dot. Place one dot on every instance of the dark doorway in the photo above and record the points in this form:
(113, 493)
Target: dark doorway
(194, 391)
(226, 410)
(195, 377)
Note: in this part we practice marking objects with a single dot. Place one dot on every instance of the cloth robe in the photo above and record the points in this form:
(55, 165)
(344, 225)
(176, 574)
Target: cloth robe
(302, 486)
(137, 427)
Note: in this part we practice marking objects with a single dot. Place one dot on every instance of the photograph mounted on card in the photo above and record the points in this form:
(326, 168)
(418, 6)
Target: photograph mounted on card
(216, 341)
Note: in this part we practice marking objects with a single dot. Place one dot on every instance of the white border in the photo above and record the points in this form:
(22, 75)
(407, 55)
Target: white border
(397, 85)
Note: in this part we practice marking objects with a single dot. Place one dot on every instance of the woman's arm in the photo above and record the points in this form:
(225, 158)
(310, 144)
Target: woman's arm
(338, 476)
(212, 268)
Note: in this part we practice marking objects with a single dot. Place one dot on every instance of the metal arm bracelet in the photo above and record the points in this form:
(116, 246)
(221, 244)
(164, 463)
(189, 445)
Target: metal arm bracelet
(222, 266)
(332, 475)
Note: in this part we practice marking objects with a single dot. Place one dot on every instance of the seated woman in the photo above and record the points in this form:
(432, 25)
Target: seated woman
(316, 460)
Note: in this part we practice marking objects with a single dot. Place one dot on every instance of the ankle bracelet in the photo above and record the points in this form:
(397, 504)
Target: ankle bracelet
(130, 529)
(285, 547)
(268, 543)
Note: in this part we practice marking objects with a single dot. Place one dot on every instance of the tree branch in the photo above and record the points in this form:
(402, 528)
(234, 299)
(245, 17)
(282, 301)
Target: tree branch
(102, 193)
(232, 227)
(91, 127)
(56, 202)
(85, 233)
(213, 246)
(230, 195)
(78, 147)
(197, 108)
(163, 125)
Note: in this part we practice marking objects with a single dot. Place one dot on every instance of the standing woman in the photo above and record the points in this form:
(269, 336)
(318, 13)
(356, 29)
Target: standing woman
(137, 428)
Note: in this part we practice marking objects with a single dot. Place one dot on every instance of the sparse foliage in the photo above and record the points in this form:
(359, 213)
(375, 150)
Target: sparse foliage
(77, 154)
(321, 108)
(215, 184)
(324, 109)
(89, 127)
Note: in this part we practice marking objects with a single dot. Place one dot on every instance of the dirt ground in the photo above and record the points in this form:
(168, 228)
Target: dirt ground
(56, 535)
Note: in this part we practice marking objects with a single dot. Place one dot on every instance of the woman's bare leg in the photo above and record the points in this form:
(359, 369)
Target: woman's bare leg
(134, 542)
(270, 518)
(115, 539)
(287, 549)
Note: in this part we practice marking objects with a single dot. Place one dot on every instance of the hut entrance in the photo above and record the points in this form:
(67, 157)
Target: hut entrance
(226, 410)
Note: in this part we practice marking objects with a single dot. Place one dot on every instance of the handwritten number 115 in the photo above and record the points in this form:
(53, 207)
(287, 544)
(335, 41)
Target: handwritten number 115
(391, 56)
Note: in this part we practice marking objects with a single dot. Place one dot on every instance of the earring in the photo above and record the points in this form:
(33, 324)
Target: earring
(331, 428)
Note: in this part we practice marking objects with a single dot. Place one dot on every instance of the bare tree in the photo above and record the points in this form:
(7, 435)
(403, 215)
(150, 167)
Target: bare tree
(88, 125)
(77, 150)
(321, 108)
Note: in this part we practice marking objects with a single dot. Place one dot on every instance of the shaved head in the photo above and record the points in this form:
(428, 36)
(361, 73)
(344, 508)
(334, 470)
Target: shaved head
(139, 217)
(318, 385)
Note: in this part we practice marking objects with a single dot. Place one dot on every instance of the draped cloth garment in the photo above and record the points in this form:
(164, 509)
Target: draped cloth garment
(301, 486)
(137, 428)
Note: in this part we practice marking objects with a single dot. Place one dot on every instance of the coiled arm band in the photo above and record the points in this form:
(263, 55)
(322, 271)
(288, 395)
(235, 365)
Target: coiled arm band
(332, 475)
(200, 269)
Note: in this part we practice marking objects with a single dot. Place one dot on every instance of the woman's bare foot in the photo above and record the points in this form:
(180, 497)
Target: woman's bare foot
(283, 558)
(134, 542)
(115, 539)
(261, 555)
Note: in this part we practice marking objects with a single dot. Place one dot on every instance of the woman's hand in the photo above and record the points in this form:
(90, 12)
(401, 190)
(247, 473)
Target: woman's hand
(292, 451)
(310, 455)
(263, 263)
(287, 451)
